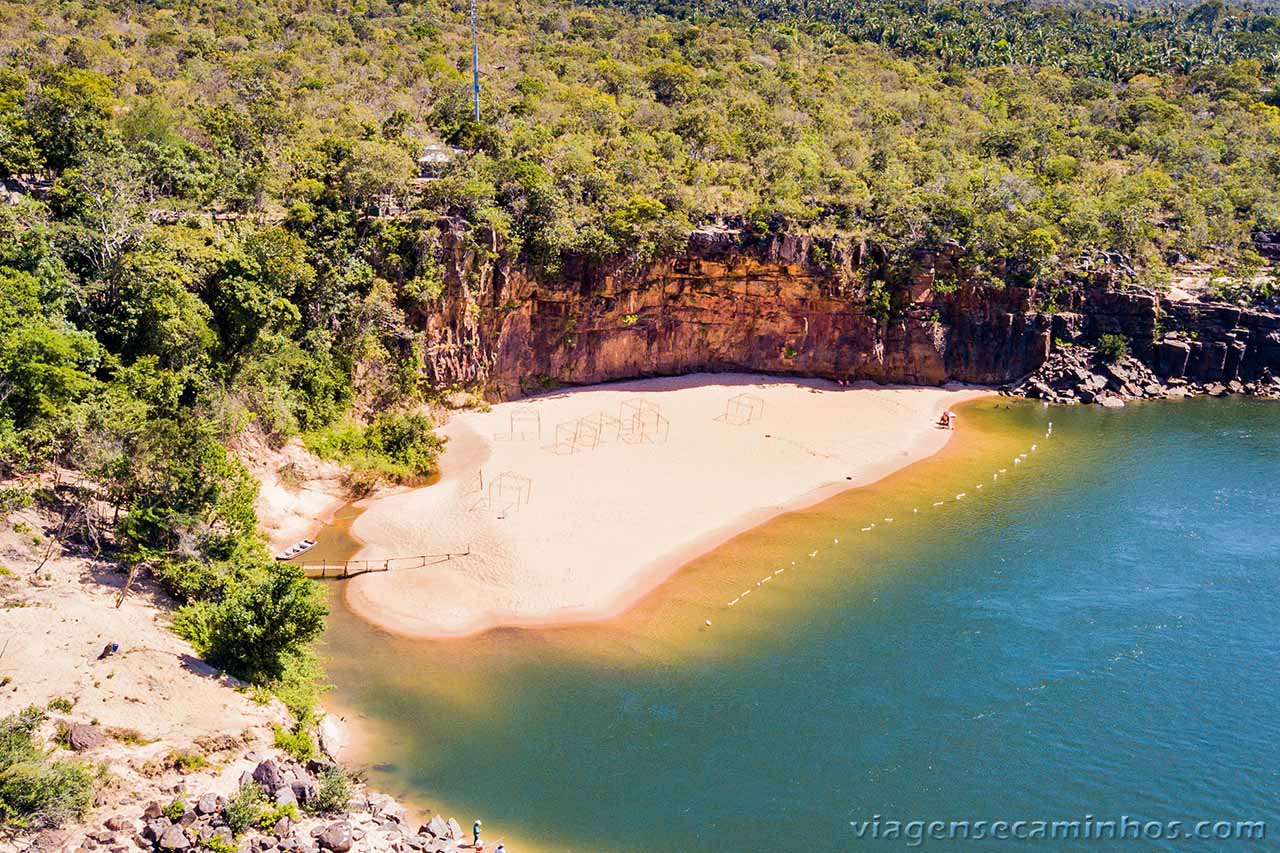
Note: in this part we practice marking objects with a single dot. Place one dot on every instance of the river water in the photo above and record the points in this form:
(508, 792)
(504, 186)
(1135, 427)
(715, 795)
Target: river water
(1093, 632)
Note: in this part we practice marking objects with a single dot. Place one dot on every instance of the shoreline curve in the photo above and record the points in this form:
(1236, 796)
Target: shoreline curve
(710, 482)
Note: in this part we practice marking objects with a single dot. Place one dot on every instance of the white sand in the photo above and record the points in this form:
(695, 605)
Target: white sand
(604, 526)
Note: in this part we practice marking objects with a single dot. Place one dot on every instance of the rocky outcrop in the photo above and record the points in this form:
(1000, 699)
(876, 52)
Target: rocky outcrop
(798, 305)
(370, 822)
(1079, 374)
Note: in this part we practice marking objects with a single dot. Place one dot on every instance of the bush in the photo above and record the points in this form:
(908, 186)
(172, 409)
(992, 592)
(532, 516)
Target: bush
(36, 792)
(244, 808)
(1112, 348)
(270, 817)
(334, 795)
(297, 742)
(397, 446)
(175, 810)
(186, 762)
(61, 704)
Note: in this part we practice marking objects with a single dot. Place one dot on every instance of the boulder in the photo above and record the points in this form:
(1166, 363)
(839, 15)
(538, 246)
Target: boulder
(455, 830)
(436, 827)
(1111, 402)
(155, 828)
(286, 797)
(82, 737)
(317, 766)
(118, 823)
(174, 838)
(270, 776)
(209, 804)
(304, 791)
(384, 806)
(1173, 355)
(282, 828)
(336, 837)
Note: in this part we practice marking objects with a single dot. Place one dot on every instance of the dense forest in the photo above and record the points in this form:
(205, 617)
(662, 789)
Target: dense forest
(215, 218)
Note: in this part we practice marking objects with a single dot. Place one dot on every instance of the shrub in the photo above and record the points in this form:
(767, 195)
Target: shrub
(36, 792)
(297, 742)
(396, 446)
(244, 807)
(175, 810)
(185, 761)
(270, 817)
(1112, 348)
(61, 704)
(334, 793)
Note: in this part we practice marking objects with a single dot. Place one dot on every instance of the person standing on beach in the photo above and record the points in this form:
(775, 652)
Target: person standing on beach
(475, 834)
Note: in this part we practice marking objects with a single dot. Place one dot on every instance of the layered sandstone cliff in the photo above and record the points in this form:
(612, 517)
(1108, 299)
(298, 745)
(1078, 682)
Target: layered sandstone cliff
(793, 304)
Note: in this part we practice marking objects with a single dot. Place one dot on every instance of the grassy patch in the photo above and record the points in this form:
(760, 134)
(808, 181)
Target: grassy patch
(186, 761)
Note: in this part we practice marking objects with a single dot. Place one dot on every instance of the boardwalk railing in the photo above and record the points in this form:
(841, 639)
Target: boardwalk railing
(334, 569)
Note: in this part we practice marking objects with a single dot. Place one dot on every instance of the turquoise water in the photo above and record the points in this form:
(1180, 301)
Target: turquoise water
(1094, 634)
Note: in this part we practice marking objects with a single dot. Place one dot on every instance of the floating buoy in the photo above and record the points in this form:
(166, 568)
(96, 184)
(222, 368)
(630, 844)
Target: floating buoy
(779, 571)
(735, 601)
(1002, 470)
(962, 494)
(835, 541)
(888, 521)
(938, 503)
(1034, 446)
(745, 594)
(1017, 462)
(812, 554)
(708, 623)
(979, 486)
(866, 529)
(767, 579)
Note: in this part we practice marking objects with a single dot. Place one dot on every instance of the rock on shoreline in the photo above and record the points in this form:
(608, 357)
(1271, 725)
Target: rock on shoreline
(371, 823)
(1078, 374)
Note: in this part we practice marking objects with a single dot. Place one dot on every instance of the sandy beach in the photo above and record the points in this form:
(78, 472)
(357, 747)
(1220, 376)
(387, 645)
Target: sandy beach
(573, 505)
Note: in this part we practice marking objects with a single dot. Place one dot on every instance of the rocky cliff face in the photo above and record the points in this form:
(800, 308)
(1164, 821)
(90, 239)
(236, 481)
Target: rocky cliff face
(795, 305)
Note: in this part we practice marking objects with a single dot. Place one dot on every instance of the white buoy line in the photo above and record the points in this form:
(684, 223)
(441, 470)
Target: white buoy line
(995, 477)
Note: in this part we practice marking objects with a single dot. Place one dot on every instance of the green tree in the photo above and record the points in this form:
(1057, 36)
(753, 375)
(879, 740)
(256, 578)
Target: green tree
(71, 114)
(264, 621)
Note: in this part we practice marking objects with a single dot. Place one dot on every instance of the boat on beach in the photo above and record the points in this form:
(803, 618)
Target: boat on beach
(297, 549)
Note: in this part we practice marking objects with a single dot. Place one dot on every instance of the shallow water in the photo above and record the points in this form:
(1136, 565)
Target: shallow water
(1094, 633)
